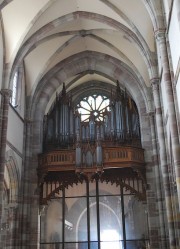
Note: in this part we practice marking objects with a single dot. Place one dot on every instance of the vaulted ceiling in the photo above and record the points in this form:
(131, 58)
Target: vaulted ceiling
(46, 35)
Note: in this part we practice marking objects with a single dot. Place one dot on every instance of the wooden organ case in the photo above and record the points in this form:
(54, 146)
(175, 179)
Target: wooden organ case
(105, 147)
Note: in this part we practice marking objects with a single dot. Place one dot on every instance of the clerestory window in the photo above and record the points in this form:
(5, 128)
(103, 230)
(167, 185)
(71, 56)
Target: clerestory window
(14, 89)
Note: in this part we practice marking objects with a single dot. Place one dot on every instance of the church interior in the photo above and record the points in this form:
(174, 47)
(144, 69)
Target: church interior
(90, 124)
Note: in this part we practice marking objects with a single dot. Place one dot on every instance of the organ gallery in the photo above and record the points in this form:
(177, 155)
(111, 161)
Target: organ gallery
(91, 148)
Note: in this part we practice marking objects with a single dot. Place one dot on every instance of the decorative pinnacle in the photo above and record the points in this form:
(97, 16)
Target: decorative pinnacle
(118, 88)
(64, 90)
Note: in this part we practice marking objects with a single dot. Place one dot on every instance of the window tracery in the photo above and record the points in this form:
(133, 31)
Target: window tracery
(93, 105)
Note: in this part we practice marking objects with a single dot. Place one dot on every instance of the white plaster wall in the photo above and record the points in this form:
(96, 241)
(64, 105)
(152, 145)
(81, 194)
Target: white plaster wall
(174, 38)
(15, 130)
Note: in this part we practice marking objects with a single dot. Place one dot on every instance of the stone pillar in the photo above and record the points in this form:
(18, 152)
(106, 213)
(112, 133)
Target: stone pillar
(163, 238)
(25, 196)
(4, 231)
(164, 163)
(6, 94)
(161, 43)
(1, 112)
(30, 194)
(12, 220)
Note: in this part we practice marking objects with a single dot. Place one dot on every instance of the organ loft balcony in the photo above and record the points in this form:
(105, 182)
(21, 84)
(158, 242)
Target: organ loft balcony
(98, 137)
(112, 157)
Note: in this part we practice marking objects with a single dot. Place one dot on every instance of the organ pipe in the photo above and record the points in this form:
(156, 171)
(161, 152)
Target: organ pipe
(78, 151)
(98, 149)
(119, 122)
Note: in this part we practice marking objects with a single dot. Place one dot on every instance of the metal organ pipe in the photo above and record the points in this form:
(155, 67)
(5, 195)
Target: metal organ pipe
(78, 150)
(63, 126)
(106, 125)
(127, 120)
(66, 124)
(56, 119)
(119, 119)
(64, 121)
(92, 129)
(77, 123)
(98, 149)
(83, 133)
(87, 133)
(102, 131)
(112, 120)
(71, 124)
(60, 121)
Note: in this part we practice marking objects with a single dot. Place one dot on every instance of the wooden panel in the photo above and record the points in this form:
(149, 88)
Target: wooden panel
(57, 160)
(119, 157)
(113, 157)
(131, 181)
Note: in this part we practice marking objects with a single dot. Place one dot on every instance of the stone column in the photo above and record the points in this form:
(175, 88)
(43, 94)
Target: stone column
(6, 94)
(12, 220)
(30, 192)
(4, 231)
(163, 240)
(161, 43)
(25, 196)
(164, 163)
(1, 112)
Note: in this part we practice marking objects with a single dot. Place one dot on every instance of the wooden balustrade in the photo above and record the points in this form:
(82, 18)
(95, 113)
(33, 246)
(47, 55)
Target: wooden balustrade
(60, 160)
(113, 157)
(58, 168)
(123, 157)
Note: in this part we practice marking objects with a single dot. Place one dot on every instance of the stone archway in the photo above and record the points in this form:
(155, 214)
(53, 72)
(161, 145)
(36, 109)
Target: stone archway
(43, 92)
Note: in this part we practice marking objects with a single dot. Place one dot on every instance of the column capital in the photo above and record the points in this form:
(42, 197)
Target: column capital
(6, 92)
(160, 34)
(28, 122)
(42, 210)
(155, 82)
(151, 114)
(12, 206)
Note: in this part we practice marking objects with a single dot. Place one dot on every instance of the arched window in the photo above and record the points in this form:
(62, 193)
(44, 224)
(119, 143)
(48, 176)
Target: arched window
(14, 89)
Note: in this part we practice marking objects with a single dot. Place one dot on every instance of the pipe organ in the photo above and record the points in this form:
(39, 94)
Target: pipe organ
(118, 123)
(98, 134)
